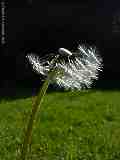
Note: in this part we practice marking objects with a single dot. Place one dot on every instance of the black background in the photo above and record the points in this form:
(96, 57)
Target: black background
(44, 26)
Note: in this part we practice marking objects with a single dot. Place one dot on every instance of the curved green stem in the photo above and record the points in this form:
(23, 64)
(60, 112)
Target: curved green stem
(35, 107)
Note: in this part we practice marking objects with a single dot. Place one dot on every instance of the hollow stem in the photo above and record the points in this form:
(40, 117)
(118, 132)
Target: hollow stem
(36, 106)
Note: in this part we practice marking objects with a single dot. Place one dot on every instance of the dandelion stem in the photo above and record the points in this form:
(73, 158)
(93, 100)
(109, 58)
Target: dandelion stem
(35, 107)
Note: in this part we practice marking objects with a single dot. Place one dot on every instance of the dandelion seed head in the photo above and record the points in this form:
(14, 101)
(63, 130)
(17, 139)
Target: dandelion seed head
(74, 70)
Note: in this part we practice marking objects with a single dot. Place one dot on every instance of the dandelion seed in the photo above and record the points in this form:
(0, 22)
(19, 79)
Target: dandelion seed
(74, 70)
(64, 51)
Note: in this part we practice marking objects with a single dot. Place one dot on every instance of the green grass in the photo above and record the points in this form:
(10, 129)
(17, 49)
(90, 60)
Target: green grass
(70, 126)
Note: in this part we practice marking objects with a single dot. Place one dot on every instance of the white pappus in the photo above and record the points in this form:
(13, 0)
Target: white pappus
(73, 70)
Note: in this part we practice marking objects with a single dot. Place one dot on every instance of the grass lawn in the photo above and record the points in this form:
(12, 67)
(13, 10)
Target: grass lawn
(71, 126)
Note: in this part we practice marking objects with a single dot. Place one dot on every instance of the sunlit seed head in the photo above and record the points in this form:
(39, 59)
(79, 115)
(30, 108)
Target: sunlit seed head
(72, 71)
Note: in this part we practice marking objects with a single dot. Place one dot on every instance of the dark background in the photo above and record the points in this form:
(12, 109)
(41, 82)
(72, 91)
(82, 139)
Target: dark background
(43, 27)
